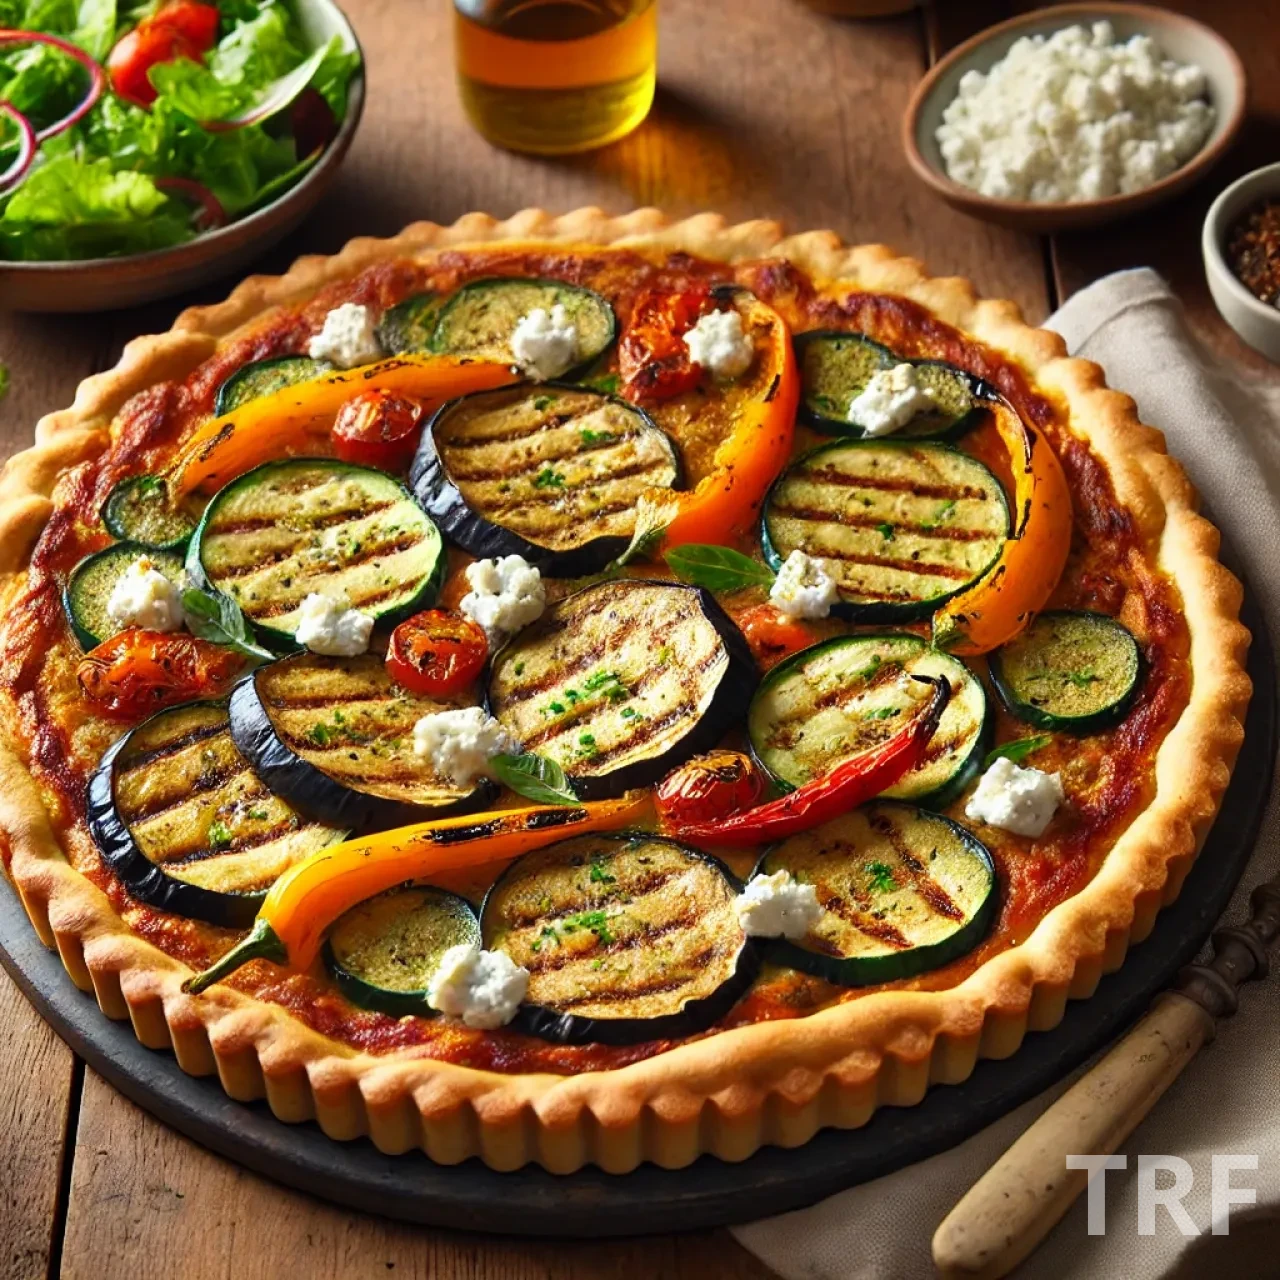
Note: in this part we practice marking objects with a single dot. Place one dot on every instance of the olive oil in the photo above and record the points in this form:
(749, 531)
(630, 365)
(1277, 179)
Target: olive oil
(556, 76)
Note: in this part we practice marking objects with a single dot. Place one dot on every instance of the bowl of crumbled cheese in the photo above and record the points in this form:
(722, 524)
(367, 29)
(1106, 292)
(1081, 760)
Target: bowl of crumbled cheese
(1075, 115)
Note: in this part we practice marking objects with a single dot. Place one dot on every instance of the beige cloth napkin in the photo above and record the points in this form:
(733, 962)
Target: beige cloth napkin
(1225, 428)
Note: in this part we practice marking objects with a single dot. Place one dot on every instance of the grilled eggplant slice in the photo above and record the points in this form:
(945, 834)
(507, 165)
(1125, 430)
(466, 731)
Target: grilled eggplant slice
(383, 953)
(187, 825)
(409, 326)
(479, 319)
(263, 377)
(902, 891)
(903, 527)
(289, 528)
(626, 939)
(622, 681)
(138, 510)
(1069, 670)
(840, 698)
(92, 581)
(334, 737)
(542, 470)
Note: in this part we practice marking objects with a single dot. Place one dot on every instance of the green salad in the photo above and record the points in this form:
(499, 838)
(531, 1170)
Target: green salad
(129, 129)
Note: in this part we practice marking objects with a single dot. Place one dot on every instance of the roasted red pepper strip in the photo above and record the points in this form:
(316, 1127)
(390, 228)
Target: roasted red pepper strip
(846, 787)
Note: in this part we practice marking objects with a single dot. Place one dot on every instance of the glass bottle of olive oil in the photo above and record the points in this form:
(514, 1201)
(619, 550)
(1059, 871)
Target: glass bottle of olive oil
(556, 76)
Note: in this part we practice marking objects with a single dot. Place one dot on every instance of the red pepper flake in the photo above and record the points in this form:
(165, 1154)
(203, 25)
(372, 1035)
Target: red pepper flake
(1253, 251)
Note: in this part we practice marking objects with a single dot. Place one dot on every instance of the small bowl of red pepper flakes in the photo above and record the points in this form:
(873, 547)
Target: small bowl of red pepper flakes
(1241, 245)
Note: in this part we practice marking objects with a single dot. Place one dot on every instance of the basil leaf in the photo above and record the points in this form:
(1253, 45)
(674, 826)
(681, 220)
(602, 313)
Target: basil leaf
(717, 568)
(1018, 749)
(218, 619)
(535, 777)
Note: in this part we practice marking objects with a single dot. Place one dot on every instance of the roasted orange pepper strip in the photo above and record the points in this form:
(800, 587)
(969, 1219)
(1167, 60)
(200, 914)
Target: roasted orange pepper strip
(272, 425)
(728, 500)
(311, 895)
(1005, 599)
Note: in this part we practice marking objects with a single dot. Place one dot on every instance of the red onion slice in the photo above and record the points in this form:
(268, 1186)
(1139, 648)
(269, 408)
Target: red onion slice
(27, 145)
(211, 215)
(97, 77)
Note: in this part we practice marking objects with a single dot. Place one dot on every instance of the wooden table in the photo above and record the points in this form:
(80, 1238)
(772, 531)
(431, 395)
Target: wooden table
(764, 110)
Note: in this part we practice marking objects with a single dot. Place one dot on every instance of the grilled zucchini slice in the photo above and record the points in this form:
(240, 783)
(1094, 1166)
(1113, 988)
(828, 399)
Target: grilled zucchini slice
(623, 681)
(843, 697)
(289, 528)
(626, 939)
(1069, 670)
(546, 471)
(138, 510)
(334, 737)
(383, 953)
(479, 319)
(409, 325)
(187, 825)
(835, 368)
(903, 526)
(92, 581)
(902, 891)
(263, 377)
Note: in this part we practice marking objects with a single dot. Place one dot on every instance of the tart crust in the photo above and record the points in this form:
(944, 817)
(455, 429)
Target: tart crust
(732, 1092)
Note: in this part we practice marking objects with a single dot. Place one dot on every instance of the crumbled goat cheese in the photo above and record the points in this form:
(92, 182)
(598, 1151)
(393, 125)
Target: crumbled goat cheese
(328, 626)
(1074, 116)
(483, 988)
(777, 906)
(506, 594)
(718, 343)
(545, 343)
(349, 337)
(803, 587)
(144, 597)
(890, 400)
(1019, 800)
(460, 743)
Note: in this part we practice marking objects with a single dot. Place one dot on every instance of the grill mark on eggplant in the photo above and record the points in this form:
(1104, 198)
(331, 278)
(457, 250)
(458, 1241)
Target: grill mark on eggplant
(204, 785)
(276, 609)
(173, 747)
(520, 693)
(326, 568)
(628, 895)
(549, 496)
(787, 731)
(463, 444)
(536, 465)
(554, 959)
(937, 898)
(890, 484)
(246, 845)
(856, 520)
(256, 524)
(285, 702)
(697, 966)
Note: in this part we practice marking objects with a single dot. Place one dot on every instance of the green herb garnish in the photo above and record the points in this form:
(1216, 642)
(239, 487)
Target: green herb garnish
(881, 874)
(219, 835)
(885, 530)
(537, 778)
(218, 618)
(548, 479)
(717, 568)
(1018, 749)
(590, 437)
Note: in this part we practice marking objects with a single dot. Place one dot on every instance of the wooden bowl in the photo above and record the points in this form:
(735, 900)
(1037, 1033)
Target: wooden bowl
(102, 284)
(1178, 37)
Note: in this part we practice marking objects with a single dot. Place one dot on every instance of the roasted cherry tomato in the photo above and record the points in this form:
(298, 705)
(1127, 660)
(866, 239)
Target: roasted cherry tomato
(708, 788)
(772, 635)
(138, 672)
(652, 357)
(436, 653)
(378, 429)
(182, 29)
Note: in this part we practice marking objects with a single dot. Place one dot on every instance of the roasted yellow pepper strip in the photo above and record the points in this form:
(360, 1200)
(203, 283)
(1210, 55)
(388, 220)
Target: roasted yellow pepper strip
(273, 425)
(311, 895)
(1005, 599)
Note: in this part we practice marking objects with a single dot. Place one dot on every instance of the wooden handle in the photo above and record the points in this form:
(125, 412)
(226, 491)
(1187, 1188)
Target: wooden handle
(1020, 1199)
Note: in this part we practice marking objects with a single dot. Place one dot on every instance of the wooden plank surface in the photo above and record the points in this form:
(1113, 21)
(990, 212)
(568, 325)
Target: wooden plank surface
(764, 109)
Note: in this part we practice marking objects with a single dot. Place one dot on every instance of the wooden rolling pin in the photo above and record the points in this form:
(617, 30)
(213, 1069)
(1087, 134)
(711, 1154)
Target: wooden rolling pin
(1023, 1196)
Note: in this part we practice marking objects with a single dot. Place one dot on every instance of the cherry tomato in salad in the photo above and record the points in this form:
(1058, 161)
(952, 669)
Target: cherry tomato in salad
(436, 653)
(378, 429)
(708, 788)
(772, 635)
(182, 29)
(138, 672)
(652, 357)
